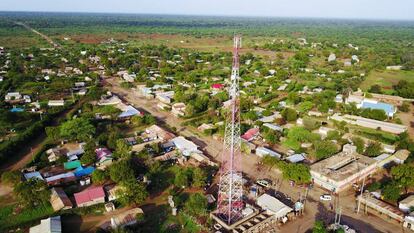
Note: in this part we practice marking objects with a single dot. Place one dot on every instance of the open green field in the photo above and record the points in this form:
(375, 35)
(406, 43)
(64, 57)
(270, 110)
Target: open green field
(386, 79)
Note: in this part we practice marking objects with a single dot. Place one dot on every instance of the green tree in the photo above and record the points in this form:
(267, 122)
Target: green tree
(289, 114)
(305, 106)
(310, 123)
(11, 177)
(373, 149)
(319, 227)
(121, 171)
(99, 176)
(31, 193)
(131, 192)
(77, 129)
(196, 205)
(403, 174)
(53, 133)
(199, 177)
(324, 149)
(123, 150)
(359, 143)
(391, 191)
(89, 157)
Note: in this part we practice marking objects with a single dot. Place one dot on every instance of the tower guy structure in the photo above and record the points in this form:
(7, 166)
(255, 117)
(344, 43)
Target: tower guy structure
(230, 203)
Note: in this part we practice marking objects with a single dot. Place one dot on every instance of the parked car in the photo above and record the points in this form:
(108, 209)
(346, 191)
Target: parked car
(325, 197)
(263, 183)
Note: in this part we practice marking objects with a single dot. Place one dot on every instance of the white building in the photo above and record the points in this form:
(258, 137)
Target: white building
(340, 171)
(332, 57)
(13, 96)
(369, 123)
(273, 206)
(49, 225)
(55, 103)
(262, 151)
(407, 204)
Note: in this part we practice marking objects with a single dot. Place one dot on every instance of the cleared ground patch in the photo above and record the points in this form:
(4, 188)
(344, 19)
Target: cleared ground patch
(386, 79)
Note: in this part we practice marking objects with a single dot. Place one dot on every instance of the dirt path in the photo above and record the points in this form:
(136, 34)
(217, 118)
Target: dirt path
(48, 39)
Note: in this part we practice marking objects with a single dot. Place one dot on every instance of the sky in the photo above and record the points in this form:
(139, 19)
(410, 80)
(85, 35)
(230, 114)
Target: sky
(353, 9)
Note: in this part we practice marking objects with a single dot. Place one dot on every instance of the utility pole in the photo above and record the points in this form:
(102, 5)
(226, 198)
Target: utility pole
(360, 195)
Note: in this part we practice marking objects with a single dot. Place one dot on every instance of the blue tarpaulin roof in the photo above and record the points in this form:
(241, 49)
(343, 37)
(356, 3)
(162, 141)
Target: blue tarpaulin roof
(80, 171)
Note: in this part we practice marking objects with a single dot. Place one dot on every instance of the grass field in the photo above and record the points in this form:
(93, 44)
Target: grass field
(386, 79)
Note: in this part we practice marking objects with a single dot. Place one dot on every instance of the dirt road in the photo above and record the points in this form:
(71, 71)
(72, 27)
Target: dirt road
(48, 39)
(314, 209)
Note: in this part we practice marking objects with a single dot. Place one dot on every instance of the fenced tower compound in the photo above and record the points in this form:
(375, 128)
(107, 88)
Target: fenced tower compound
(230, 203)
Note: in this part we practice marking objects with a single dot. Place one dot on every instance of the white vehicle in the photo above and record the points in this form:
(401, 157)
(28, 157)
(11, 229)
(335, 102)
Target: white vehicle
(217, 226)
(325, 197)
(263, 183)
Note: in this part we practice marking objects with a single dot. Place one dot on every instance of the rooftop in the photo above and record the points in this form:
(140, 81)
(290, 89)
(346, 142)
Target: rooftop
(342, 165)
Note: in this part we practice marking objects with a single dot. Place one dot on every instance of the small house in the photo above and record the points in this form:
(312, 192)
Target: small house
(56, 103)
(407, 204)
(263, 151)
(90, 196)
(251, 134)
(178, 109)
(59, 200)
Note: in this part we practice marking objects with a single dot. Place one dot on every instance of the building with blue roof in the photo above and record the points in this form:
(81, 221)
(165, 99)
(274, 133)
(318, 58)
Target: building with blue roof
(80, 171)
(389, 109)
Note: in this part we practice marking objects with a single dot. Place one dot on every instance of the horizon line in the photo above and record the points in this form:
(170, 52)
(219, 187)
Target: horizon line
(213, 15)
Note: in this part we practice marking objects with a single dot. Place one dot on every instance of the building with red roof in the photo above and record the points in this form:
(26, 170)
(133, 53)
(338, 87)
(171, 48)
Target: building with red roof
(90, 196)
(251, 134)
(217, 86)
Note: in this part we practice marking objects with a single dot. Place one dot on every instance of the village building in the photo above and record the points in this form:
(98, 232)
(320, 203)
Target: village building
(369, 123)
(251, 134)
(59, 200)
(273, 127)
(409, 222)
(104, 157)
(273, 206)
(56, 103)
(178, 109)
(406, 205)
(49, 225)
(90, 196)
(111, 191)
(33, 175)
(165, 97)
(59, 179)
(340, 171)
(380, 207)
(13, 96)
(332, 57)
(155, 132)
(263, 151)
(185, 146)
(296, 158)
(398, 157)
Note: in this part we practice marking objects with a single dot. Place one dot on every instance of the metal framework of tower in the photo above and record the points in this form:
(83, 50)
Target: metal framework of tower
(230, 203)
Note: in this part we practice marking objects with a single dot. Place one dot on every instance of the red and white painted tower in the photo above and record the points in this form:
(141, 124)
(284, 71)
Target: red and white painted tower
(230, 203)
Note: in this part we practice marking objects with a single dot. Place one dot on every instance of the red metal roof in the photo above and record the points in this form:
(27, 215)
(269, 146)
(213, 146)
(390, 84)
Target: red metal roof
(217, 86)
(250, 134)
(89, 195)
